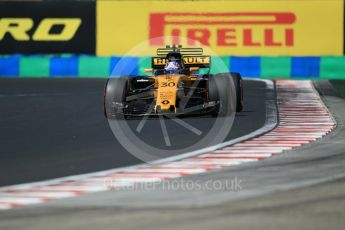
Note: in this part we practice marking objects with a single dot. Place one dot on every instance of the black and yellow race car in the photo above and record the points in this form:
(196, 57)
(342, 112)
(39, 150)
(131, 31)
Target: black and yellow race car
(174, 87)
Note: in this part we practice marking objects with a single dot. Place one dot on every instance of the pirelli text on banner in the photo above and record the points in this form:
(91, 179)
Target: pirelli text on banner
(47, 27)
(251, 27)
(226, 31)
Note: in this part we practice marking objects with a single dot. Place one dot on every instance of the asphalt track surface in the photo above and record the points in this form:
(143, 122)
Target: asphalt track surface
(292, 199)
(52, 128)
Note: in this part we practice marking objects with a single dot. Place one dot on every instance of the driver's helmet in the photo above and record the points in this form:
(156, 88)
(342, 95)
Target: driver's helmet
(172, 67)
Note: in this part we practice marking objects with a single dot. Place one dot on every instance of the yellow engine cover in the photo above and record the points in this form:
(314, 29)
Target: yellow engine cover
(167, 86)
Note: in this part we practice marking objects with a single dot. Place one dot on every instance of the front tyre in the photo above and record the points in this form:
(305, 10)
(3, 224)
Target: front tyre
(115, 97)
(239, 90)
(221, 88)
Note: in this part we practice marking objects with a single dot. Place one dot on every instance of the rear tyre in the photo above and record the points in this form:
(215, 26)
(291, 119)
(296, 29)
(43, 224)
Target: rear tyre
(239, 90)
(115, 97)
(221, 89)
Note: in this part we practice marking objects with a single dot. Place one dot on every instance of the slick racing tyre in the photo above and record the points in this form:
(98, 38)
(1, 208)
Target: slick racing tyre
(221, 88)
(239, 91)
(115, 97)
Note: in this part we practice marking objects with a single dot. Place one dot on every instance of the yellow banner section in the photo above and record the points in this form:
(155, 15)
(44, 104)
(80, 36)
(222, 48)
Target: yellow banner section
(286, 27)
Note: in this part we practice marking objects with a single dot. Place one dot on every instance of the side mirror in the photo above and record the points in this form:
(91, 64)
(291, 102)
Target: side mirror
(193, 69)
(148, 70)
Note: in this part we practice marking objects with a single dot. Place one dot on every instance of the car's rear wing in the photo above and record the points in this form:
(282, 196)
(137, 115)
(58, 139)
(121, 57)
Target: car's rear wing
(162, 52)
(202, 61)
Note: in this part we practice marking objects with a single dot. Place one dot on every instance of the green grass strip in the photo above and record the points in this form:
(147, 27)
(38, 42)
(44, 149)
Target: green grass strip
(144, 62)
(275, 67)
(339, 85)
(332, 67)
(97, 67)
(220, 64)
(34, 66)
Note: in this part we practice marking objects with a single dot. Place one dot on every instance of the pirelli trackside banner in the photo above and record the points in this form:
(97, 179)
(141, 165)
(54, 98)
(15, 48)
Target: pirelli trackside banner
(281, 27)
(47, 27)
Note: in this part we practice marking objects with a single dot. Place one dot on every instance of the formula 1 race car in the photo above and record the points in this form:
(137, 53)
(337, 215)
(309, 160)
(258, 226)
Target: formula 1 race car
(174, 87)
